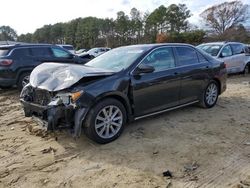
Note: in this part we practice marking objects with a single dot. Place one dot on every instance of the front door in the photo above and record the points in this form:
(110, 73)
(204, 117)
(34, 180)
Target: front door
(158, 90)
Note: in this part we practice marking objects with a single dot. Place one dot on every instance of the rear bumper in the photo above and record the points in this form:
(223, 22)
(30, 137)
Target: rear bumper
(7, 77)
(5, 82)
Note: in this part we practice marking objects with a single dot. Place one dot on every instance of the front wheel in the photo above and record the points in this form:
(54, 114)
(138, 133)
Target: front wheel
(210, 95)
(23, 80)
(105, 121)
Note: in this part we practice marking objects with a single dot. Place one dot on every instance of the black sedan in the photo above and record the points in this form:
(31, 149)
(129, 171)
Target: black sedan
(122, 85)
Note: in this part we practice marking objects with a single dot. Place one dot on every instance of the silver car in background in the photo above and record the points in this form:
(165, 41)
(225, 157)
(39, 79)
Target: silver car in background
(235, 55)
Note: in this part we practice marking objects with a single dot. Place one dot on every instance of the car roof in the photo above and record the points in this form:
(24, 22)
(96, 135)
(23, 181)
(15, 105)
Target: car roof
(160, 44)
(25, 45)
(221, 43)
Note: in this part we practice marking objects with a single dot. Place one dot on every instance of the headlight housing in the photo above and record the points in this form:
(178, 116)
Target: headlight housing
(68, 98)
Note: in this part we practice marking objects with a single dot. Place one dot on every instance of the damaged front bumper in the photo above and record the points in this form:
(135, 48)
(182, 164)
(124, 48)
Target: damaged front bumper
(56, 116)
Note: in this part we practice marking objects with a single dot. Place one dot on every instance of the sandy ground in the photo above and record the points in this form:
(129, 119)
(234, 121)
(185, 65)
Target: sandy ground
(200, 147)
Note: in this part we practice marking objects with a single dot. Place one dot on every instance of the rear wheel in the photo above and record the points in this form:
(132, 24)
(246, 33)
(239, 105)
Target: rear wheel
(105, 121)
(247, 69)
(210, 95)
(23, 80)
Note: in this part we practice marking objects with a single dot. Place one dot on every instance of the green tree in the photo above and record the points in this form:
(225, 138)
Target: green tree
(25, 38)
(176, 17)
(122, 28)
(7, 33)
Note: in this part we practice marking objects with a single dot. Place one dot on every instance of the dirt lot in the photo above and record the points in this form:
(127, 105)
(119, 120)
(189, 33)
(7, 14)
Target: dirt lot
(200, 147)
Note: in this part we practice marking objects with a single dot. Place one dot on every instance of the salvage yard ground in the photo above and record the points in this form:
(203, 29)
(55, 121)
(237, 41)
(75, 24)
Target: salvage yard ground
(201, 148)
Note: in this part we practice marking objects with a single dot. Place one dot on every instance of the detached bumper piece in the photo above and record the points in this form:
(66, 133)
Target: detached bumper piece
(54, 117)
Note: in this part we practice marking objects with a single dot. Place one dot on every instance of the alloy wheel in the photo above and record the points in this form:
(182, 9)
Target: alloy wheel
(211, 94)
(108, 121)
(25, 80)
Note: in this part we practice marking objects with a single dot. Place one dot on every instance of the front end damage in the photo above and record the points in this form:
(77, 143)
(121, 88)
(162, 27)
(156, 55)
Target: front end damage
(54, 110)
(51, 97)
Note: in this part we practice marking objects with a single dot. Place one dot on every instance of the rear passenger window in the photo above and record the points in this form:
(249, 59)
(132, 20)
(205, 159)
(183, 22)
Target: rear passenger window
(237, 48)
(41, 52)
(186, 56)
(202, 59)
(21, 52)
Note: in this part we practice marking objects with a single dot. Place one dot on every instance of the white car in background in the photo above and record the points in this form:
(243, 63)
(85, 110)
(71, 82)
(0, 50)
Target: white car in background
(94, 52)
(235, 55)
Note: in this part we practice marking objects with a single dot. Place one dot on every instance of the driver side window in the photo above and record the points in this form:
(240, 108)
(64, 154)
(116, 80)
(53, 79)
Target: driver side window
(226, 51)
(161, 59)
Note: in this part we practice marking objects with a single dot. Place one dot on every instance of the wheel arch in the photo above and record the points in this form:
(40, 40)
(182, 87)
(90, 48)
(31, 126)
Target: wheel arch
(219, 84)
(121, 98)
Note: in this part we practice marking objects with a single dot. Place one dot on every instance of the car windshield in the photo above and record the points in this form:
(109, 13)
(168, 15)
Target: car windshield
(118, 59)
(212, 49)
(4, 52)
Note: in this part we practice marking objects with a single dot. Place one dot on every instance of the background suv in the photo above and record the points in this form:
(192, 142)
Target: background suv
(17, 61)
(234, 54)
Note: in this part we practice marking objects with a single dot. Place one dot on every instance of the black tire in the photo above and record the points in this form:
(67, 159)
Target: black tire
(246, 69)
(205, 102)
(5, 87)
(21, 80)
(90, 123)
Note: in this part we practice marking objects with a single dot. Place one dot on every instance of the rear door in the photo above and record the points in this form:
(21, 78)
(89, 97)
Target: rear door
(158, 90)
(194, 71)
(239, 57)
(40, 54)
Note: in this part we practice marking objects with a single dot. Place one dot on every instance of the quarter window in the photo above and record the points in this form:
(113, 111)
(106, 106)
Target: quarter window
(60, 53)
(161, 59)
(186, 56)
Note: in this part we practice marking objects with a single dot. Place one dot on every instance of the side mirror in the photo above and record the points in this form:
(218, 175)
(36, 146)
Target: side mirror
(222, 55)
(142, 68)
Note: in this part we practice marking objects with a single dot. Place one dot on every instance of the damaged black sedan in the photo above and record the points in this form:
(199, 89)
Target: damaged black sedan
(122, 85)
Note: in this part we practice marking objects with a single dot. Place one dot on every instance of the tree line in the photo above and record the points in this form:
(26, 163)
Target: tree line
(224, 21)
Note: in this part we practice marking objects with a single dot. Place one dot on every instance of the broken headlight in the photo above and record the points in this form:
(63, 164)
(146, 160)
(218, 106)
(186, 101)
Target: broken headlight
(66, 98)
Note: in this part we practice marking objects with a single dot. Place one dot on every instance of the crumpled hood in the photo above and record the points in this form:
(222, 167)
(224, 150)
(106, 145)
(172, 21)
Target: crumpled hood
(58, 76)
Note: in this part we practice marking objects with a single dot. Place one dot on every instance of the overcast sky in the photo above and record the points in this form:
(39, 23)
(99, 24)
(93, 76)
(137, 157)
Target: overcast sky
(28, 15)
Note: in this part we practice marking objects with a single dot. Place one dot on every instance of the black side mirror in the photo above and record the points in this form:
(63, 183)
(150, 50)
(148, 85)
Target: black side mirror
(142, 68)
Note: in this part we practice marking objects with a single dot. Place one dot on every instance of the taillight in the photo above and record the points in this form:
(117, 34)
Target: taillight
(5, 62)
